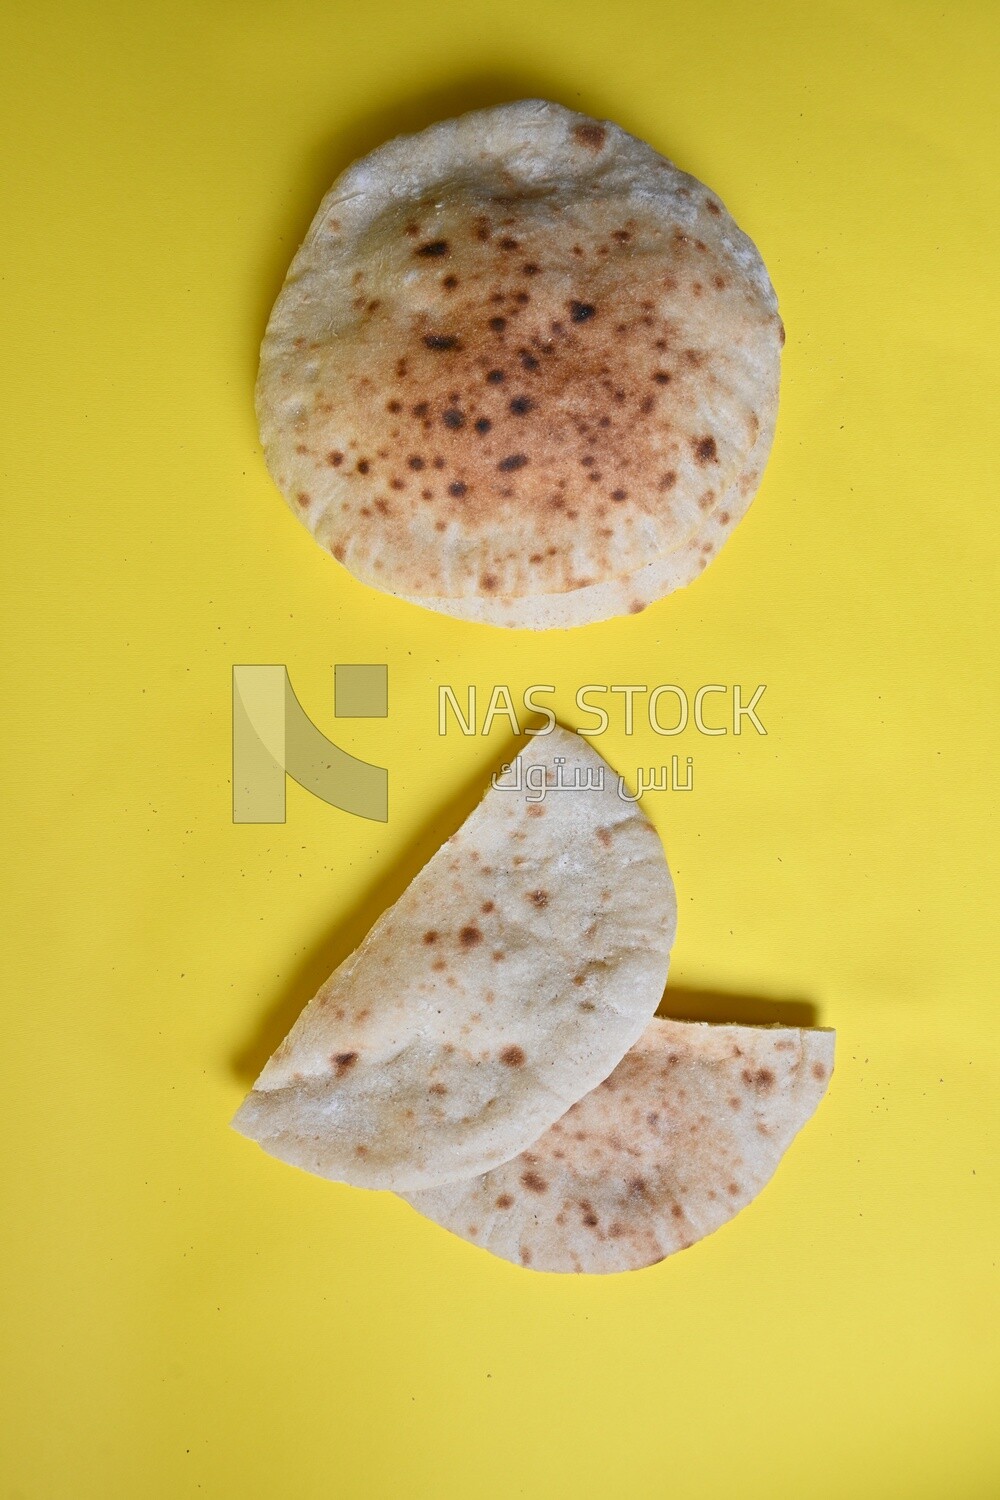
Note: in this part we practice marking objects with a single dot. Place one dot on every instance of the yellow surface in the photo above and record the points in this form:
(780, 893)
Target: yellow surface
(187, 1316)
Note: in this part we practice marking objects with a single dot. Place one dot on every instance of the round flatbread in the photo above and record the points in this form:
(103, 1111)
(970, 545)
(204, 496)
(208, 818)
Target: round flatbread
(509, 978)
(689, 1128)
(518, 355)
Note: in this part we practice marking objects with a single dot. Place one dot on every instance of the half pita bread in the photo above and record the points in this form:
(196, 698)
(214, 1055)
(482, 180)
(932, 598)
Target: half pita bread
(689, 1128)
(509, 978)
(519, 354)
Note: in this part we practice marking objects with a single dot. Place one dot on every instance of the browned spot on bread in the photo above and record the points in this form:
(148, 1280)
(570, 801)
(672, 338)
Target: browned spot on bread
(582, 312)
(534, 1182)
(335, 458)
(760, 1079)
(470, 936)
(589, 133)
(589, 1218)
(818, 1071)
(705, 450)
(441, 341)
(430, 936)
(343, 1062)
(525, 1256)
(539, 898)
(487, 907)
(725, 517)
(439, 1089)
(505, 1201)
(513, 1057)
(668, 480)
(433, 248)
(732, 1189)
(511, 462)
(604, 835)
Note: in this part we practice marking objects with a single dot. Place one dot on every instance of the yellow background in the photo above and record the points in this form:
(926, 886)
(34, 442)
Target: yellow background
(187, 1316)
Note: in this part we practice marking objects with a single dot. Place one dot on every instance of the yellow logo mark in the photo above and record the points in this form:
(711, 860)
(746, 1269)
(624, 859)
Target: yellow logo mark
(273, 737)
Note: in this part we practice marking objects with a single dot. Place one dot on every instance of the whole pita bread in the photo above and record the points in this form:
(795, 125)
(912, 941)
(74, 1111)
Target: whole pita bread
(509, 978)
(519, 354)
(689, 1128)
(631, 595)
